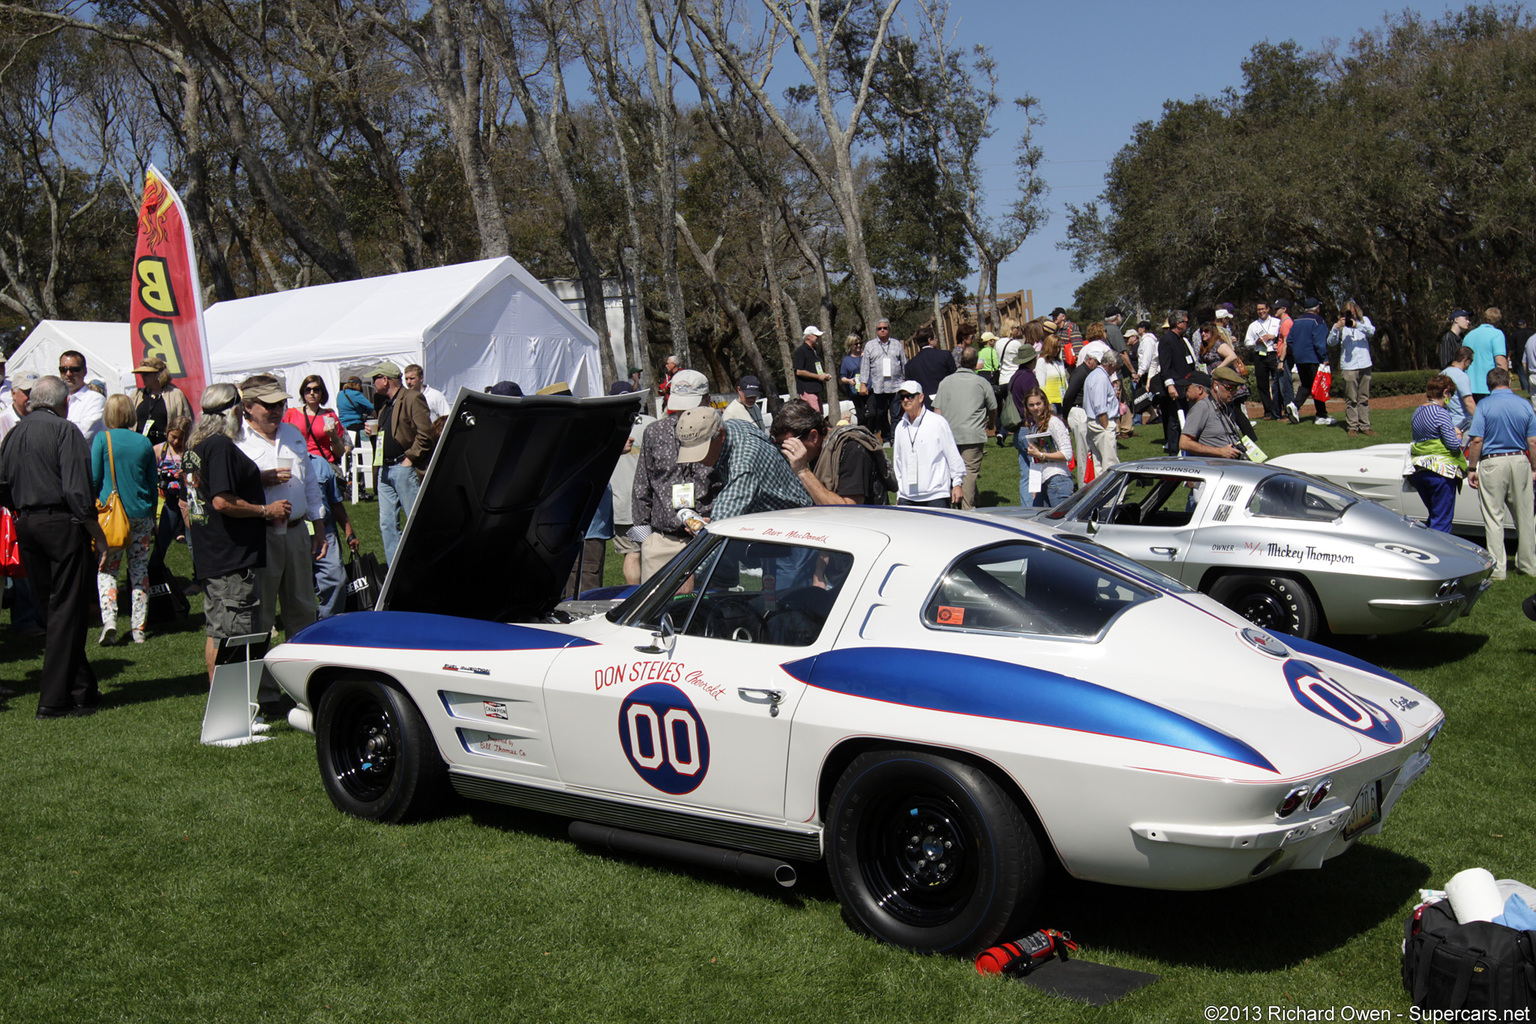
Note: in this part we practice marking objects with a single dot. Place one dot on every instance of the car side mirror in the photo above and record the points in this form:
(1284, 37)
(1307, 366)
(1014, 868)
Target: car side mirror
(663, 639)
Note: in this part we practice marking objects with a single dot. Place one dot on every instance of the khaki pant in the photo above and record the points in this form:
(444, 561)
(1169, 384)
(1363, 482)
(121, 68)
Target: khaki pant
(290, 575)
(656, 551)
(1077, 426)
(970, 454)
(1505, 482)
(1357, 399)
(1103, 441)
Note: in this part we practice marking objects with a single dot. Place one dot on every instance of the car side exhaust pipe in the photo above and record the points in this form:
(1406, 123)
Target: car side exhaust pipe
(749, 865)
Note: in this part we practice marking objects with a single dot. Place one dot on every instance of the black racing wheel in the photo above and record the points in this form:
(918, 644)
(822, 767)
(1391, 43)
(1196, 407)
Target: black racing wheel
(377, 757)
(928, 853)
(1277, 603)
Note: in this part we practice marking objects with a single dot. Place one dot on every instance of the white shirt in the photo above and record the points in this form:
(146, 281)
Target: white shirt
(753, 415)
(7, 419)
(927, 459)
(1146, 358)
(437, 402)
(1356, 341)
(1008, 350)
(1269, 325)
(302, 489)
(86, 409)
(1530, 353)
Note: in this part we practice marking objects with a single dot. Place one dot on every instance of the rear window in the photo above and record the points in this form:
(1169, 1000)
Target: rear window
(1283, 496)
(1029, 589)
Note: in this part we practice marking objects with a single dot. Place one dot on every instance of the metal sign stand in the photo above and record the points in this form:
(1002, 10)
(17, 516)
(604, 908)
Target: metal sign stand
(230, 719)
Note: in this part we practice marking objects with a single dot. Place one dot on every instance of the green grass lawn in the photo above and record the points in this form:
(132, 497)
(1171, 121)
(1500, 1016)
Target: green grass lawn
(147, 878)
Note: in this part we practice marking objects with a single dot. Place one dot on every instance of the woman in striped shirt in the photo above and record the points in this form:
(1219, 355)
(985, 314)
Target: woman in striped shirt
(1438, 465)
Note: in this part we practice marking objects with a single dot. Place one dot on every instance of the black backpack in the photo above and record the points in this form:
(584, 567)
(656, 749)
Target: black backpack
(1474, 966)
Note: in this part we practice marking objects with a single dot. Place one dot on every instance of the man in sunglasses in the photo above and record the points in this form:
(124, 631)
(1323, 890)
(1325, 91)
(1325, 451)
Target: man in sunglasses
(86, 407)
(929, 469)
(295, 542)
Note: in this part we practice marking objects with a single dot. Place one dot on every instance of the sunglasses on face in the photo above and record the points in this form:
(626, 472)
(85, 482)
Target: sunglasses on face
(274, 406)
(312, 389)
(72, 369)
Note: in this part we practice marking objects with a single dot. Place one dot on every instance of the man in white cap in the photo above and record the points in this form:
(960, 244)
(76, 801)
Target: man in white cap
(1073, 401)
(929, 469)
(809, 376)
(1101, 407)
(663, 485)
(294, 542)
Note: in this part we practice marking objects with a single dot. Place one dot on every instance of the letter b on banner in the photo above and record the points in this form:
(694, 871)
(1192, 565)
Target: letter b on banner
(159, 338)
(155, 290)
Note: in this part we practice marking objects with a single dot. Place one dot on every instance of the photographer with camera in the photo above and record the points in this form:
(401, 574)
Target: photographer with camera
(1354, 330)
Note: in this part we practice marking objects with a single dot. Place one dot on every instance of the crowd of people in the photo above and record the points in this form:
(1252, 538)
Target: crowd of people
(254, 485)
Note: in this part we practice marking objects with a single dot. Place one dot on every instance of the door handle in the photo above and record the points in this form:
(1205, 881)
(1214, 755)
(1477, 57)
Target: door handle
(1170, 552)
(753, 695)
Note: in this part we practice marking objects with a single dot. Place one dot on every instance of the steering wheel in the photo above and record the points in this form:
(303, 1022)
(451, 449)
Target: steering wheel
(732, 618)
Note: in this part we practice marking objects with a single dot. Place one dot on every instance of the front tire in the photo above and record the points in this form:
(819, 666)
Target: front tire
(377, 757)
(929, 853)
(1277, 603)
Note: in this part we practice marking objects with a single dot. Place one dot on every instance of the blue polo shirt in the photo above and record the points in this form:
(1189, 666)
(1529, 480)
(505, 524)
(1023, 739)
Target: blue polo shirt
(1504, 421)
(1486, 342)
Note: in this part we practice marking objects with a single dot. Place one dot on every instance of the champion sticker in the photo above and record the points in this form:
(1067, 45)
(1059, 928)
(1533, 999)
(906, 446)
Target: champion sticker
(664, 738)
(951, 616)
(1328, 698)
(495, 709)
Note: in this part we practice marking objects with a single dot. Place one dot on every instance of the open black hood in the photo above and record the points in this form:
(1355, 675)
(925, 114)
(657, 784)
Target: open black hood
(506, 503)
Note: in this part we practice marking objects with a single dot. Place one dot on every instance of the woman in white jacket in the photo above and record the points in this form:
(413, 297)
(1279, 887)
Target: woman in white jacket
(1354, 330)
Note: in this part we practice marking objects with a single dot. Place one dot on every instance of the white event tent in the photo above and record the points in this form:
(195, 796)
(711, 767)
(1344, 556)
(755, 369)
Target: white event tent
(468, 325)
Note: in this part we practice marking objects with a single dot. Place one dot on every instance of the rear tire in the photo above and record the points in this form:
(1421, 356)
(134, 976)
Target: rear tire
(1277, 603)
(929, 853)
(377, 756)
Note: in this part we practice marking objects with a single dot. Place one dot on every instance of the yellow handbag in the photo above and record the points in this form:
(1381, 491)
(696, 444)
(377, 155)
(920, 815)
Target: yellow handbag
(114, 521)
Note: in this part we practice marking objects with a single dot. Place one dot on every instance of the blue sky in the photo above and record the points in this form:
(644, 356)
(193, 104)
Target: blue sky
(1099, 67)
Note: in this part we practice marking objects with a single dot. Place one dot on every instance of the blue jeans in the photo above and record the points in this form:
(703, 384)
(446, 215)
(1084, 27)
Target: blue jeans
(25, 611)
(1054, 490)
(398, 485)
(330, 576)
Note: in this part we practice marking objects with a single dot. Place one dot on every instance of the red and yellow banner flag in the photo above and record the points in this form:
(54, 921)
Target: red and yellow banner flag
(165, 311)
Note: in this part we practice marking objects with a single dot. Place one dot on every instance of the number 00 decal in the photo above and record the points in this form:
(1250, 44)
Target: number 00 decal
(664, 738)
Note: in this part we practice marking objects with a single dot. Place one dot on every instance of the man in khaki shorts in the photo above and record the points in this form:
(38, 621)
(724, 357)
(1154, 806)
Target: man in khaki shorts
(662, 485)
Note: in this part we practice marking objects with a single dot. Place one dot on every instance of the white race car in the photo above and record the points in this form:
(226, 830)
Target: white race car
(933, 703)
(1379, 472)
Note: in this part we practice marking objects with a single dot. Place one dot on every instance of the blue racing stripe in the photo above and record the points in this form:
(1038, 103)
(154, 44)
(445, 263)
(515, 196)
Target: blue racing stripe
(419, 631)
(967, 685)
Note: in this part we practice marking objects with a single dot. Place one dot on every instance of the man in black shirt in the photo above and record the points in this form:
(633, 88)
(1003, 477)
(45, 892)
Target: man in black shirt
(227, 520)
(1176, 360)
(837, 466)
(809, 376)
(930, 366)
(45, 477)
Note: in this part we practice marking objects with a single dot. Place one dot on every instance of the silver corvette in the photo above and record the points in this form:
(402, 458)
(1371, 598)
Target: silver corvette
(1292, 553)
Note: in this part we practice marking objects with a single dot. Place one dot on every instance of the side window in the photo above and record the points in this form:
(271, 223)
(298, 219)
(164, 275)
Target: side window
(1288, 497)
(1147, 499)
(1025, 588)
(760, 593)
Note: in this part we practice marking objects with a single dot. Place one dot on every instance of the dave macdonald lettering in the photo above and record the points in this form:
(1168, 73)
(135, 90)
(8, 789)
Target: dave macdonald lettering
(654, 671)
